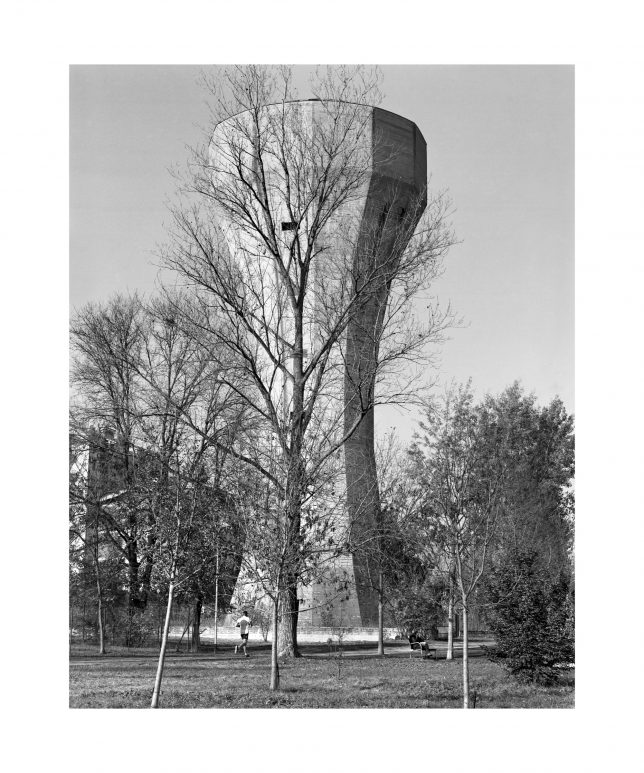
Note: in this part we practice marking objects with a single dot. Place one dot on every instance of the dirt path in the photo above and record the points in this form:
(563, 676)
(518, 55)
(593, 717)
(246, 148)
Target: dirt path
(226, 654)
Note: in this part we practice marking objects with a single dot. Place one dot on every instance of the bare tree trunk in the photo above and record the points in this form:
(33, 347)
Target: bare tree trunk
(450, 624)
(99, 589)
(183, 633)
(164, 643)
(466, 669)
(275, 669)
(381, 628)
(135, 602)
(290, 605)
(288, 629)
(216, 596)
(101, 638)
(196, 637)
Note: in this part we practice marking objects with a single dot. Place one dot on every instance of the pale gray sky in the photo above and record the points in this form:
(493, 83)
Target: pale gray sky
(500, 138)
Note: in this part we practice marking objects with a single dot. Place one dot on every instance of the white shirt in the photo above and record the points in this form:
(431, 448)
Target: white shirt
(244, 623)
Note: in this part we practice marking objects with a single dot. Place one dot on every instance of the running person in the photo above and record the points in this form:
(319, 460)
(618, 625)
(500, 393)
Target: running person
(244, 625)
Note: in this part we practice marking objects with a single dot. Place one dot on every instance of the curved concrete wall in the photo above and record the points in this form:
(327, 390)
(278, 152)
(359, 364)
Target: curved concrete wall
(394, 203)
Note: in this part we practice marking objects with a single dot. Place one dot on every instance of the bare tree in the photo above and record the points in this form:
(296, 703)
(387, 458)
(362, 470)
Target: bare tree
(378, 545)
(143, 389)
(187, 411)
(178, 533)
(311, 305)
(107, 343)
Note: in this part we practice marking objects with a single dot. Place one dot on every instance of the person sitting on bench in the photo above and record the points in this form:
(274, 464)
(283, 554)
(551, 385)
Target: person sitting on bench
(419, 639)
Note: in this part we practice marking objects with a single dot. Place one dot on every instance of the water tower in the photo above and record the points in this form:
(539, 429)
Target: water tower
(364, 238)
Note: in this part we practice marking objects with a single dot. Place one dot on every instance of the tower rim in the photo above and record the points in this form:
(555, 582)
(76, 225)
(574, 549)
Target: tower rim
(317, 99)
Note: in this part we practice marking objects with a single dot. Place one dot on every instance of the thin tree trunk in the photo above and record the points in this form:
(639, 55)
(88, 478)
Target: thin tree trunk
(216, 596)
(164, 643)
(381, 627)
(187, 625)
(290, 605)
(466, 669)
(101, 638)
(128, 628)
(450, 624)
(196, 637)
(135, 602)
(275, 669)
(99, 589)
(166, 627)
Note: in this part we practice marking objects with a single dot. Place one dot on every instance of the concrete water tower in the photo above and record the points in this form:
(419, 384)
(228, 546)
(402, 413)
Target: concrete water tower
(365, 237)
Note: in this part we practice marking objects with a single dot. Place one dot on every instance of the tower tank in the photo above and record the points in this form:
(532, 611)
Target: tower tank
(361, 241)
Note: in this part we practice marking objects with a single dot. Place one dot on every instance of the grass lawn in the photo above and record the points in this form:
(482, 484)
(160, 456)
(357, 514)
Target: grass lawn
(124, 679)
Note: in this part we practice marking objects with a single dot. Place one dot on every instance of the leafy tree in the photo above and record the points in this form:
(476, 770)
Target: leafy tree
(531, 615)
(538, 514)
(458, 466)
(528, 450)
(416, 603)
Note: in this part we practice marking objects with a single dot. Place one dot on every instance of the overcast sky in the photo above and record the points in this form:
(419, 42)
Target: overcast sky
(500, 139)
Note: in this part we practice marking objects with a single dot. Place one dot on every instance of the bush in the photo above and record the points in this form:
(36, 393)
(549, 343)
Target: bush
(531, 617)
(416, 607)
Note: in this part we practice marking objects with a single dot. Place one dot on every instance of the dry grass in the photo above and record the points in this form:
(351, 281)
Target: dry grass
(125, 680)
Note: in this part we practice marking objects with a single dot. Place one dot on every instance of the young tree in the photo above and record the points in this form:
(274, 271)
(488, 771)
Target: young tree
(459, 463)
(312, 307)
(180, 535)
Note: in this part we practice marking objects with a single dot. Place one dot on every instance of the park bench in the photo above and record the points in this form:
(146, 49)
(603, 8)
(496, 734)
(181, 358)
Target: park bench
(425, 650)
